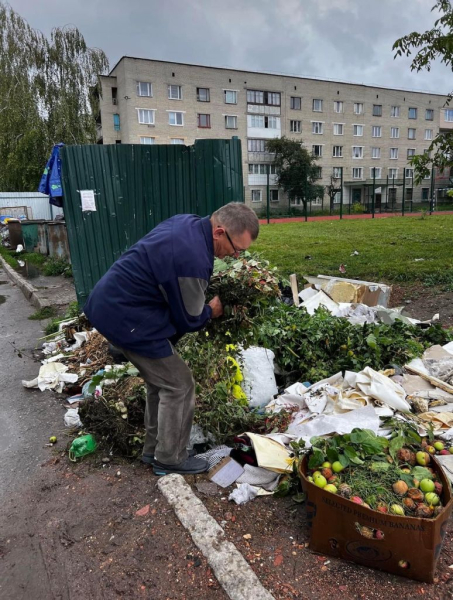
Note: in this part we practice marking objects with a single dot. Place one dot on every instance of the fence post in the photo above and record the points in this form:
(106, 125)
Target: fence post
(268, 195)
(387, 194)
(372, 199)
(341, 194)
(431, 202)
(404, 191)
(394, 195)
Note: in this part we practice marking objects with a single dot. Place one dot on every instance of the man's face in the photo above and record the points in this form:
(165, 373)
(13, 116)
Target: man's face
(229, 245)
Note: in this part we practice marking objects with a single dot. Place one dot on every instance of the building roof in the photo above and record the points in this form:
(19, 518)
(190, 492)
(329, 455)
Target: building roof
(5, 195)
(292, 76)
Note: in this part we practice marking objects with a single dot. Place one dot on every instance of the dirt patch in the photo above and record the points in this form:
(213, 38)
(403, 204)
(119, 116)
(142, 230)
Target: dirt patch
(424, 302)
(77, 532)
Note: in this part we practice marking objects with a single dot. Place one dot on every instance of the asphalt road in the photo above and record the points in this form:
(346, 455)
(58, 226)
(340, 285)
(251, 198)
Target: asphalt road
(27, 417)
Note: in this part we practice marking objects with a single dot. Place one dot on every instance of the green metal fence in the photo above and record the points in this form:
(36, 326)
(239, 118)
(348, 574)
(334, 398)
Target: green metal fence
(135, 188)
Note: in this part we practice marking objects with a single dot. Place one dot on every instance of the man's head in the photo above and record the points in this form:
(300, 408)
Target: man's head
(234, 227)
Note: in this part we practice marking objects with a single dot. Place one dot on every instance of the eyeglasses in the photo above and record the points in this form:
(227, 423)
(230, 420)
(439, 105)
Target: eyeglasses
(236, 251)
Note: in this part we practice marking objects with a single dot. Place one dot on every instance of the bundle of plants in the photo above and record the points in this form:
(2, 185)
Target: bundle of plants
(313, 347)
(116, 416)
(392, 476)
(247, 287)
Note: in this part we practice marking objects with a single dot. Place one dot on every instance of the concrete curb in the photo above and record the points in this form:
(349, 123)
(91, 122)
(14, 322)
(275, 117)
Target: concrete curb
(229, 566)
(29, 291)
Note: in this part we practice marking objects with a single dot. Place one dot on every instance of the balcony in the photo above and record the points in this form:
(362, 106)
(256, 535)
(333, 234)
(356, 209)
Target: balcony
(260, 109)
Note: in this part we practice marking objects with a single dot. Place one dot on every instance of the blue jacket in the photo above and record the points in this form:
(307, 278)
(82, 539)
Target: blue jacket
(155, 291)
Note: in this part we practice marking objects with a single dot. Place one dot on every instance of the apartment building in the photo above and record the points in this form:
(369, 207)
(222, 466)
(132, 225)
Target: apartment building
(364, 133)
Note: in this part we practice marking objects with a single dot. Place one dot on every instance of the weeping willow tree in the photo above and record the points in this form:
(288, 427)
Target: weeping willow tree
(46, 96)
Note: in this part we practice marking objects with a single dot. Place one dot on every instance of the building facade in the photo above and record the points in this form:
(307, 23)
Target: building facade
(364, 134)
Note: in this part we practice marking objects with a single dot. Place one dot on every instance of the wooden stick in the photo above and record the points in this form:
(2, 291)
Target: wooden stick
(294, 289)
(432, 380)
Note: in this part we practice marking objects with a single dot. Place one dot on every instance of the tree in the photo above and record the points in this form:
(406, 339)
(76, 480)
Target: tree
(45, 96)
(332, 189)
(435, 43)
(296, 170)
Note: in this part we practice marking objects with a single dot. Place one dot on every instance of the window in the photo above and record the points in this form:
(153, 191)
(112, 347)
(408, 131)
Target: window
(338, 106)
(393, 153)
(176, 118)
(230, 96)
(273, 98)
(377, 131)
(176, 141)
(448, 115)
(116, 122)
(337, 172)
(144, 89)
(317, 105)
(204, 121)
(429, 114)
(261, 169)
(231, 122)
(316, 127)
(409, 194)
(203, 95)
(392, 195)
(337, 197)
(272, 122)
(316, 150)
(409, 173)
(295, 126)
(317, 173)
(357, 173)
(375, 172)
(395, 111)
(338, 128)
(412, 113)
(358, 108)
(255, 145)
(273, 195)
(338, 151)
(174, 92)
(295, 103)
(255, 121)
(394, 132)
(393, 173)
(257, 195)
(428, 134)
(357, 152)
(145, 117)
(114, 95)
(149, 141)
(410, 152)
(358, 130)
(411, 133)
(377, 110)
(254, 97)
(375, 153)
(425, 193)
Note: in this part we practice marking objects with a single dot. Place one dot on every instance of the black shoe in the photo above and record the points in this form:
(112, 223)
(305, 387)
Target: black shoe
(148, 459)
(190, 466)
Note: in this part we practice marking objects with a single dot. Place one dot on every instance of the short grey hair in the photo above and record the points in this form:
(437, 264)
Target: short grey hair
(236, 217)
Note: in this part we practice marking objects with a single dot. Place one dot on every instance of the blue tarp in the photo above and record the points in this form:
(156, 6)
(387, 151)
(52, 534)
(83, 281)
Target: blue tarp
(50, 183)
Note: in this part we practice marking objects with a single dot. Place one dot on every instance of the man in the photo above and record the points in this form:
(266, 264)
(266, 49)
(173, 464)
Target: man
(153, 295)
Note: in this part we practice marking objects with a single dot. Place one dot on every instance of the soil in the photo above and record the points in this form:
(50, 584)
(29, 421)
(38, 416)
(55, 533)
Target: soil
(75, 532)
(424, 302)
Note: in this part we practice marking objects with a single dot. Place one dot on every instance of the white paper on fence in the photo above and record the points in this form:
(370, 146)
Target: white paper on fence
(382, 389)
(270, 454)
(259, 382)
(448, 347)
(320, 299)
(307, 293)
(364, 418)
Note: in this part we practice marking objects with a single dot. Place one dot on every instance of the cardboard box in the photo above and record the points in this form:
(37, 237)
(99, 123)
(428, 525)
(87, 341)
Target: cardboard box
(410, 546)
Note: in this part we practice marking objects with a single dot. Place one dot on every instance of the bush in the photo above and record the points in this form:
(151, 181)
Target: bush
(357, 208)
(57, 266)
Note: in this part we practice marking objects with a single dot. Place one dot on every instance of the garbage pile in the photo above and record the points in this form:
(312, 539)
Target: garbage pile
(253, 368)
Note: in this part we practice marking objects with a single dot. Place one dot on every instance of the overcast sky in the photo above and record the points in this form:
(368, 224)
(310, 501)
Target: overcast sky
(349, 40)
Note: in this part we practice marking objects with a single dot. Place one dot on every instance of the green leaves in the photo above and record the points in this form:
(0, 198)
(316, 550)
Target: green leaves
(421, 473)
(316, 458)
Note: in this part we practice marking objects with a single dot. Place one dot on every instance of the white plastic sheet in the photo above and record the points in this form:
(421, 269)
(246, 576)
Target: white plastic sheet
(259, 379)
(52, 376)
(382, 389)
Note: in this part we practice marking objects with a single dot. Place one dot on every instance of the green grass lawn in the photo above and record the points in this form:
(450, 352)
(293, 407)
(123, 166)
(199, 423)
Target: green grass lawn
(387, 248)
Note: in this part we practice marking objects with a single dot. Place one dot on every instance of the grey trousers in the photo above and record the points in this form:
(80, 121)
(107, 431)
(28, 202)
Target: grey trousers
(170, 405)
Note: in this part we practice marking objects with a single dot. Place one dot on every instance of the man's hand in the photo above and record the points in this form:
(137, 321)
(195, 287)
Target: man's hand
(217, 307)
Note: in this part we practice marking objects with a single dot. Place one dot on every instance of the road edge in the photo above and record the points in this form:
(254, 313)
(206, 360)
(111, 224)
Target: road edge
(29, 291)
(230, 568)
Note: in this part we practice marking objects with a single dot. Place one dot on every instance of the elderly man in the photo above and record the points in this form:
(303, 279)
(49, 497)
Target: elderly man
(154, 294)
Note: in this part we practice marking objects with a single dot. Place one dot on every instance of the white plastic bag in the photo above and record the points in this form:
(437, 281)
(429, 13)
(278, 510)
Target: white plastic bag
(259, 379)
(71, 418)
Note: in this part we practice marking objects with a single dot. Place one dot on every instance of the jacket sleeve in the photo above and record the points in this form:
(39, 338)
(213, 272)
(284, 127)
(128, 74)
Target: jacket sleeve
(186, 299)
